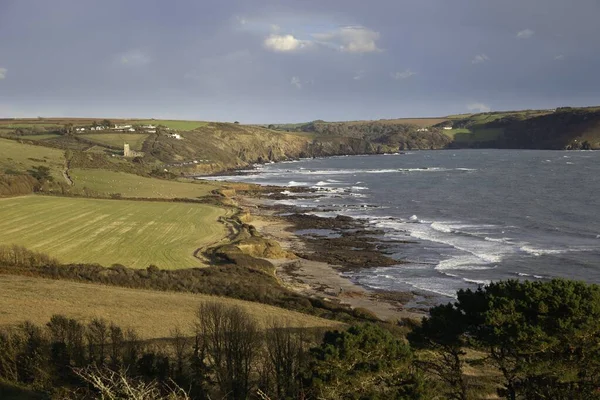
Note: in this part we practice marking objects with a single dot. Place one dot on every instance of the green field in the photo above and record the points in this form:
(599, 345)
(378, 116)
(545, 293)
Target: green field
(133, 233)
(173, 124)
(129, 185)
(20, 157)
(135, 140)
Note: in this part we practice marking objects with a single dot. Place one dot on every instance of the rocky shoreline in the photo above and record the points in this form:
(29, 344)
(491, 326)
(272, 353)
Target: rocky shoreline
(323, 249)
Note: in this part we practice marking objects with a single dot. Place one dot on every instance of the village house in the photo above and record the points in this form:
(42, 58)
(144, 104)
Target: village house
(448, 128)
(175, 136)
(125, 128)
(422, 130)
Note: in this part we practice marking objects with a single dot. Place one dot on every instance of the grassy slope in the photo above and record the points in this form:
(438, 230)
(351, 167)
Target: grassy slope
(153, 314)
(132, 233)
(18, 157)
(129, 185)
(135, 140)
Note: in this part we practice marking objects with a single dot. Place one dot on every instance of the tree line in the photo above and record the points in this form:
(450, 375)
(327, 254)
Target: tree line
(526, 340)
(226, 356)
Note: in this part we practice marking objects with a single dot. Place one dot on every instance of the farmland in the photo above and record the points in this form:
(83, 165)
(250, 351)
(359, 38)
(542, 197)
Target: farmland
(151, 313)
(20, 157)
(129, 185)
(132, 233)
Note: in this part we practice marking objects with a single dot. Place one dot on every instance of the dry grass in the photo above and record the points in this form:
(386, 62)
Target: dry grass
(133, 233)
(153, 314)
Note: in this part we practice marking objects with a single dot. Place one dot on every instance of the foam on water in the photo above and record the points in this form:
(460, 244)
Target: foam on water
(540, 252)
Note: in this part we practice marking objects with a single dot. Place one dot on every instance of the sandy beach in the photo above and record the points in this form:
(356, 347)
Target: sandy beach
(315, 278)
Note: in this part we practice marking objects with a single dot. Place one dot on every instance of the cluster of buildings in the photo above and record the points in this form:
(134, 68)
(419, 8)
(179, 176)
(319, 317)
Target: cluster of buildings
(121, 128)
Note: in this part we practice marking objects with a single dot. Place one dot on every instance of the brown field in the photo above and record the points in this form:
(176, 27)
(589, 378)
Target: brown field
(152, 314)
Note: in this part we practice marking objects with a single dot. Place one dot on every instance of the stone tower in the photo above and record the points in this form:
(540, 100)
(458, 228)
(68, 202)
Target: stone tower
(126, 150)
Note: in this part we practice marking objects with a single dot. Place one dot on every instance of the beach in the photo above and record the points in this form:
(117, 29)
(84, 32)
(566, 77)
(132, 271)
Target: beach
(313, 277)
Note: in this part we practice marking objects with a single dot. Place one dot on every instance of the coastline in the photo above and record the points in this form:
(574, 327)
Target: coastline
(313, 270)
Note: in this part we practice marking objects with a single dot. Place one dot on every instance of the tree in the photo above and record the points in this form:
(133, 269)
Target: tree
(68, 129)
(363, 362)
(232, 340)
(41, 173)
(542, 336)
(97, 337)
(108, 384)
(106, 123)
(286, 356)
(443, 332)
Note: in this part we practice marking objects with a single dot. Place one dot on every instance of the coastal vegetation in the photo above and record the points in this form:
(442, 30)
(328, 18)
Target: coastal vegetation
(512, 340)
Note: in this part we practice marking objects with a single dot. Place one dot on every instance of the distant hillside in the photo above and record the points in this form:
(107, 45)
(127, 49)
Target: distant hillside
(561, 129)
(173, 148)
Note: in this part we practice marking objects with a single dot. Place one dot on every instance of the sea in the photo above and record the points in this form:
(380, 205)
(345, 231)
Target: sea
(470, 217)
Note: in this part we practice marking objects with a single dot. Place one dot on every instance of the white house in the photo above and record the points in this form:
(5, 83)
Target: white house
(123, 127)
(422, 130)
(175, 136)
(80, 129)
(97, 128)
(448, 128)
(149, 126)
(152, 131)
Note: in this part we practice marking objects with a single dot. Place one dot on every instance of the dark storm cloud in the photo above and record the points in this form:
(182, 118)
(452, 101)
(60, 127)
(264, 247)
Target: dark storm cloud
(268, 60)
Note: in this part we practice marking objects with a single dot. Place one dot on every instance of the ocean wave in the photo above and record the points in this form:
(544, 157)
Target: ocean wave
(541, 252)
(497, 240)
(303, 171)
(294, 184)
(466, 263)
(524, 275)
(477, 282)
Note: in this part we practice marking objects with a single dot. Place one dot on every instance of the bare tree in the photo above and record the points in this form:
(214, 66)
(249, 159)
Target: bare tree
(232, 340)
(286, 348)
(181, 345)
(97, 336)
(109, 385)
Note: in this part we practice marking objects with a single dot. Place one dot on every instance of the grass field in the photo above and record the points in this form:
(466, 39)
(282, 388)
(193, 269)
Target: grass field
(151, 313)
(40, 137)
(21, 157)
(129, 185)
(135, 140)
(133, 233)
(173, 124)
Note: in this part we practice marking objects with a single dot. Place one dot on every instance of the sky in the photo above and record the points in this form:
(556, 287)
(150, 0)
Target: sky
(274, 61)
